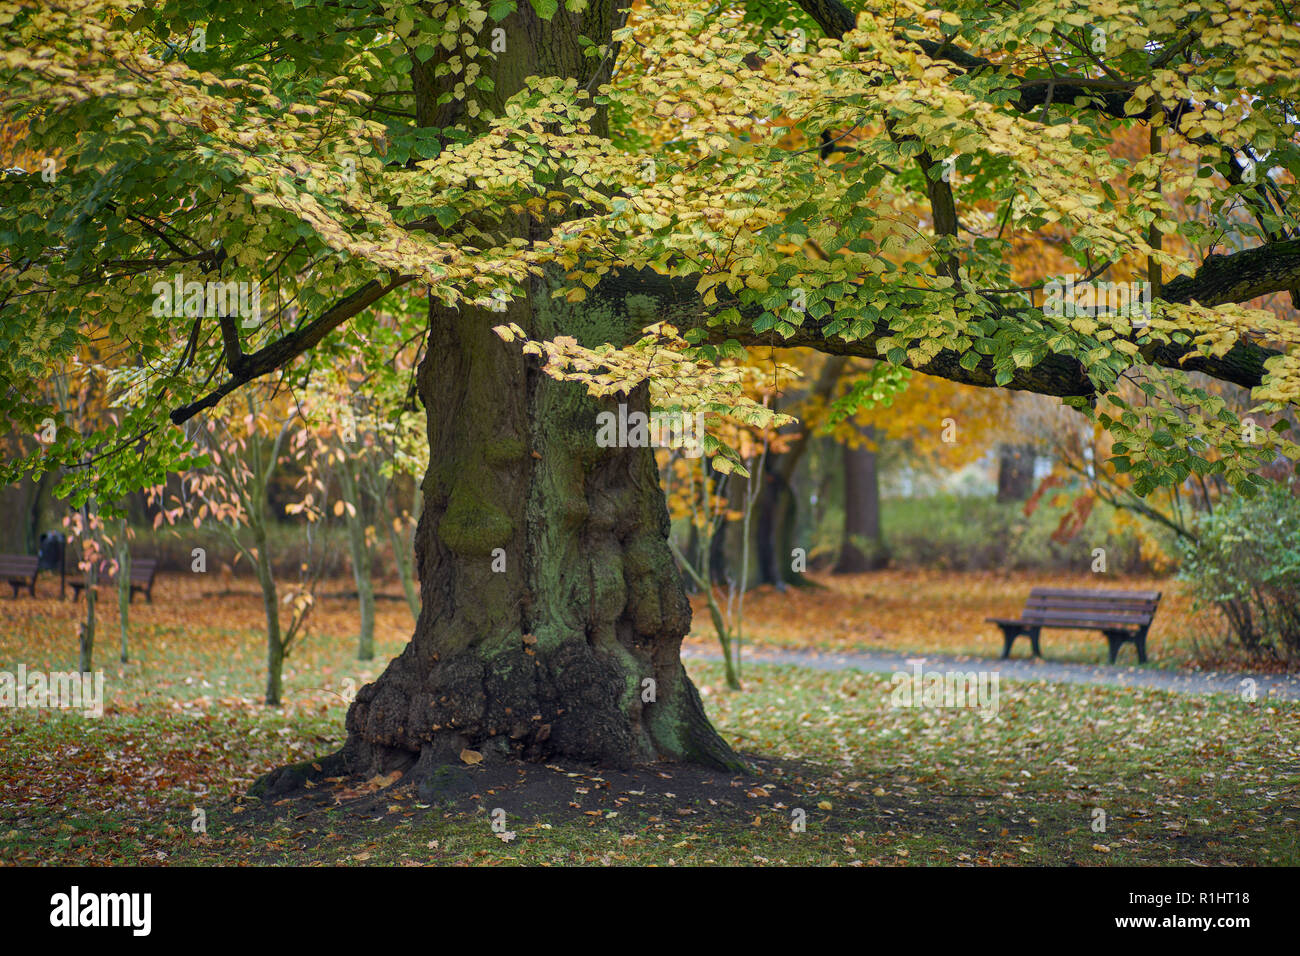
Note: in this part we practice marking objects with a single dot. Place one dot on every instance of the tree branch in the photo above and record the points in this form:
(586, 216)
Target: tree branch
(679, 304)
(283, 350)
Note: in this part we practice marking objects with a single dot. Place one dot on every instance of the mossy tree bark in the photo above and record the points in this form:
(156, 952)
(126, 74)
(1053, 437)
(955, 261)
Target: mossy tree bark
(551, 612)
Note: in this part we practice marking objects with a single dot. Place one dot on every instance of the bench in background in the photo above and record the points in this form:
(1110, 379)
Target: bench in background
(20, 571)
(1121, 615)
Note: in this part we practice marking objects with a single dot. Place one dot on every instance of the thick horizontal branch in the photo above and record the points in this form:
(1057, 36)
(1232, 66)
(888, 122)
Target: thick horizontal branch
(1239, 276)
(679, 304)
(278, 354)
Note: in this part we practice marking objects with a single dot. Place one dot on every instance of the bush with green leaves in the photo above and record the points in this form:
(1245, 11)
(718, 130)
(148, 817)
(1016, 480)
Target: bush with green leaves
(1246, 561)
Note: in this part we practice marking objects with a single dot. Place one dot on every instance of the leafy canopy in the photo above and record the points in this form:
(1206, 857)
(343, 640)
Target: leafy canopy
(859, 187)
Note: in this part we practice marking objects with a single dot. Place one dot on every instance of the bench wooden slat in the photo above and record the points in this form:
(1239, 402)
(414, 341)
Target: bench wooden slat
(1085, 602)
(1099, 593)
(1065, 620)
(1080, 608)
(1085, 612)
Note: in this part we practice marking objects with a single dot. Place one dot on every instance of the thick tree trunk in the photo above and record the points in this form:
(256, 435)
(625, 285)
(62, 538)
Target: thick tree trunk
(551, 614)
(863, 548)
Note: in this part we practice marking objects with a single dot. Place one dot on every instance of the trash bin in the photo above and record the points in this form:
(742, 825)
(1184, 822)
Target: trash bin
(51, 552)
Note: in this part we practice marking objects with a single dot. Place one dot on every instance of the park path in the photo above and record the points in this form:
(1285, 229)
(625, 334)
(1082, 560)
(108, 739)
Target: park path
(1267, 686)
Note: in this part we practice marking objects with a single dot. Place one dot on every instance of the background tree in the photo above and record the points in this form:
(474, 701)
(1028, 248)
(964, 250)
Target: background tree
(230, 490)
(362, 438)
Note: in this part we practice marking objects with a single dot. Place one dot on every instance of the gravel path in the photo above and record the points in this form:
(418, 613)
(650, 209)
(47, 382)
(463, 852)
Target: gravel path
(1274, 686)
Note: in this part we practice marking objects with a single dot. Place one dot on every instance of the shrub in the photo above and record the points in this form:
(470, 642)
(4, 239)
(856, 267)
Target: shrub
(1246, 561)
(979, 533)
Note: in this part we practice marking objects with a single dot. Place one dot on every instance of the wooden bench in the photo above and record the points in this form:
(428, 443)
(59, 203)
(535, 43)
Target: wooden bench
(20, 571)
(142, 575)
(1120, 615)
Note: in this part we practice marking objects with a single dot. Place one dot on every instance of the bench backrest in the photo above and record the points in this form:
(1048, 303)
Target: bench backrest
(142, 571)
(1119, 609)
(18, 565)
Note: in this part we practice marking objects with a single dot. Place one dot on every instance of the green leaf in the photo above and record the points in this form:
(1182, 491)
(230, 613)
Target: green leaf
(545, 8)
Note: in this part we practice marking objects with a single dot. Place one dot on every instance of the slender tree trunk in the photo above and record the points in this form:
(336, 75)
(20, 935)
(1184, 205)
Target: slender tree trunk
(863, 548)
(360, 548)
(271, 606)
(86, 654)
(123, 584)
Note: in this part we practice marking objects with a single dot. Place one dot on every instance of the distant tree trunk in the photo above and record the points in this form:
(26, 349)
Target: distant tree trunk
(20, 513)
(773, 496)
(1015, 472)
(404, 556)
(262, 461)
(863, 548)
(692, 556)
(779, 507)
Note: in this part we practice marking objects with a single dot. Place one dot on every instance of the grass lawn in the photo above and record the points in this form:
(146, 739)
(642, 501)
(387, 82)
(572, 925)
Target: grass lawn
(1182, 779)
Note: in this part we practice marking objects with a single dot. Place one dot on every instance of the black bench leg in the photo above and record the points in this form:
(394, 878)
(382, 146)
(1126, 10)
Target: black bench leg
(1033, 639)
(1140, 642)
(1116, 640)
(1009, 635)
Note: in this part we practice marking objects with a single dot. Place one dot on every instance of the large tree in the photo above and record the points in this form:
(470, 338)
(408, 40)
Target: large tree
(519, 181)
